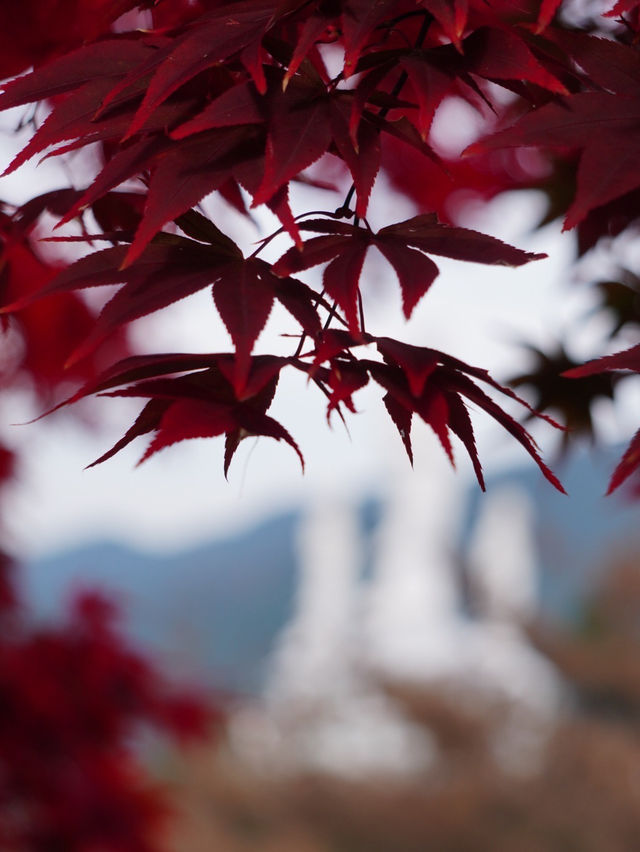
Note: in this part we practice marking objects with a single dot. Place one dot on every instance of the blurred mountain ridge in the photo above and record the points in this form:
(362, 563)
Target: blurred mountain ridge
(214, 612)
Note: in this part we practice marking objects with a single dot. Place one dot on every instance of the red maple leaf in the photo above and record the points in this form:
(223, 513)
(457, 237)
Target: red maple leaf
(345, 246)
(438, 387)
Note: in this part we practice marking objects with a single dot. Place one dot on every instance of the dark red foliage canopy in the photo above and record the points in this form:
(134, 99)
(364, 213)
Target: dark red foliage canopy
(181, 100)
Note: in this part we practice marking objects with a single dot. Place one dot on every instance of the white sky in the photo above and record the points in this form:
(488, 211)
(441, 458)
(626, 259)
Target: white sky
(180, 496)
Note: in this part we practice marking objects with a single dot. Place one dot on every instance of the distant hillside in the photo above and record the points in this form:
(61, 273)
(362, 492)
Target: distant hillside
(212, 612)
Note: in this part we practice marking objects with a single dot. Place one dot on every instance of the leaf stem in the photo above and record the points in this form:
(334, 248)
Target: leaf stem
(265, 242)
(361, 312)
(332, 314)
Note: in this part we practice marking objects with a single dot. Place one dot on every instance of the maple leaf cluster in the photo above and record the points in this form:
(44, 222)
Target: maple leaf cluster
(180, 100)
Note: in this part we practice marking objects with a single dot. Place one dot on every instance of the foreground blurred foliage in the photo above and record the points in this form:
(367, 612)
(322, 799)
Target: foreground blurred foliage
(73, 701)
(580, 791)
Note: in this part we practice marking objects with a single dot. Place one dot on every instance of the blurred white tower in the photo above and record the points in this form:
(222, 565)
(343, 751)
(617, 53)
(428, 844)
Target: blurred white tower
(406, 623)
(316, 648)
(324, 713)
(411, 615)
(502, 556)
(503, 574)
